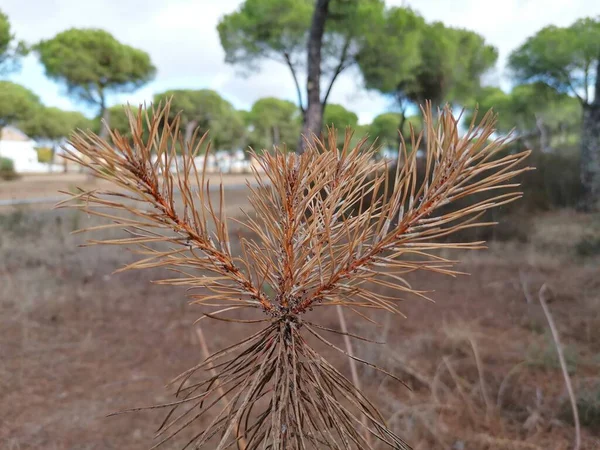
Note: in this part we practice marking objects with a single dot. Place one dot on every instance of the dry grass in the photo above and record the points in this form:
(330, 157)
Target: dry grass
(280, 386)
(78, 343)
(316, 244)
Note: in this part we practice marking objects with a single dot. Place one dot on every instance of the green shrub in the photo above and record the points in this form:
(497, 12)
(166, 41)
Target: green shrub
(589, 244)
(544, 356)
(7, 169)
(555, 183)
(588, 407)
(12, 221)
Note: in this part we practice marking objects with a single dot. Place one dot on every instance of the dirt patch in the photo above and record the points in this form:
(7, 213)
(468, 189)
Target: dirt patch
(48, 185)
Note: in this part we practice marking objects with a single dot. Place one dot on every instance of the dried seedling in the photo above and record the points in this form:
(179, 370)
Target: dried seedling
(330, 229)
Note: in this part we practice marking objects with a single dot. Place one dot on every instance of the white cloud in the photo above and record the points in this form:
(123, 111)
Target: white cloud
(181, 37)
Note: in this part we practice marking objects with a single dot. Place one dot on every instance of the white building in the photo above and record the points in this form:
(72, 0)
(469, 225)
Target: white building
(20, 148)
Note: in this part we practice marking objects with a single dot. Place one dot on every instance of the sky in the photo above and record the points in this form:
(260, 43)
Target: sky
(181, 38)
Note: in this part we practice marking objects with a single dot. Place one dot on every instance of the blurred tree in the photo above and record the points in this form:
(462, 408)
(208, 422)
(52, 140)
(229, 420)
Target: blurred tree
(414, 62)
(533, 111)
(384, 128)
(322, 37)
(542, 111)
(491, 97)
(391, 55)
(16, 103)
(273, 121)
(469, 60)
(92, 64)
(7, 169)
(568, 59)
(10, 49)
(205, 110)
(360, 132)
(53, 125)
(340, 118)
(118, 118)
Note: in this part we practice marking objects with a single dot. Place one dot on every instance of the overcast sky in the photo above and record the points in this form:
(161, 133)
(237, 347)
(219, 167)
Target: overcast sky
(182, 40)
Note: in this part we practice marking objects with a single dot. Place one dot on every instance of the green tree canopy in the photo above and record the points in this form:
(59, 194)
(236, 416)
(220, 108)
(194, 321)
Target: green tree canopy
(92, 64)
(568, 59)
(533, 110)
(451, 66)
(273, 121)
(266, 29)
(16, 103)
(10, 49)
(391, 54)
(414, 62)
(53, 124)
(565, 58)
(205, 110)
(385, 128)
(278, 30)
(339, 117)
(118, 118)
(539, 105)
(491, 97)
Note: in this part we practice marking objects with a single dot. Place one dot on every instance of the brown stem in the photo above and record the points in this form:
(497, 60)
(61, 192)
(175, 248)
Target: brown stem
(241, 442)
(184, 227)
(353, 370)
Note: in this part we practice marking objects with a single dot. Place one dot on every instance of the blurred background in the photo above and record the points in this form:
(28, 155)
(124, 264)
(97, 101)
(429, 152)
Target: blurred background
(78, 342)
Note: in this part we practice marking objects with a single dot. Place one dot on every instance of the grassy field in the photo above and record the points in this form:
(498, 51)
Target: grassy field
(78, 342)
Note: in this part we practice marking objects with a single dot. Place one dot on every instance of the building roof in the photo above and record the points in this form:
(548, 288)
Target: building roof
(10, 133)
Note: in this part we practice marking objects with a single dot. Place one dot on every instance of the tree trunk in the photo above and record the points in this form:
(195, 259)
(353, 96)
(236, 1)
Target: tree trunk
(103, 133)
(189, 130)
(276, 138)
(590, 149)
(544, 138)
(424, 132)
(105, 122)
(313, 117)
(52, 156)
(590, 155)
(401, 128)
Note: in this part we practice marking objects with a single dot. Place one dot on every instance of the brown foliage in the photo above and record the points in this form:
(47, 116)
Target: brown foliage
(313, 248)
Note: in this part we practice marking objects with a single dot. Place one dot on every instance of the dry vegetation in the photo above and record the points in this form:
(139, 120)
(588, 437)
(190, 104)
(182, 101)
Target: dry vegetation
(81, 343)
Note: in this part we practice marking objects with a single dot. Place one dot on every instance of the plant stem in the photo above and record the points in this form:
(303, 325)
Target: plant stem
(561, 358)
(241, 442)
(353, 370)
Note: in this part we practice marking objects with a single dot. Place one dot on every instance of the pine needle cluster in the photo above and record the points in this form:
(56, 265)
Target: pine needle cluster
(330, 227)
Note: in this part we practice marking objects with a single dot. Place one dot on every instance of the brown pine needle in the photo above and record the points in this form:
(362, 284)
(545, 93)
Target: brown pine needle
(330, 228)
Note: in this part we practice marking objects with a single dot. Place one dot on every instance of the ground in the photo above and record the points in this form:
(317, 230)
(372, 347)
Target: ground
(79, 343)
(40, 186)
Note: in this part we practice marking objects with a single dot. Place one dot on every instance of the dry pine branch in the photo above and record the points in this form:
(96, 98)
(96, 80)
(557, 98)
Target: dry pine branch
(330, 227)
